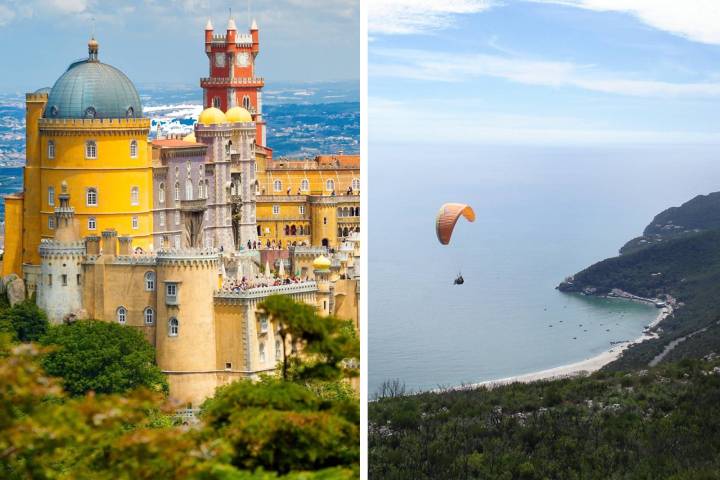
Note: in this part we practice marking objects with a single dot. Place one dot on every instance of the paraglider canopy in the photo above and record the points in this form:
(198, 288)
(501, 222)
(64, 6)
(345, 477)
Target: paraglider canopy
(447, 218)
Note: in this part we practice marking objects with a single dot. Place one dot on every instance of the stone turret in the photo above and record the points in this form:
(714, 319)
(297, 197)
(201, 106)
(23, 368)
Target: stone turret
(59, 288)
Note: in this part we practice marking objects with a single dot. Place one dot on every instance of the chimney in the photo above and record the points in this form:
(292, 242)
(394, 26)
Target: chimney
(109, 242)
(125, 246)
(92, 245)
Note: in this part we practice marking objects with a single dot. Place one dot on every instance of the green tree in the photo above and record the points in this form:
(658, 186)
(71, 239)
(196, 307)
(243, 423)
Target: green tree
(103, 357)
(322, 347)
(283, 426)
(25, 320)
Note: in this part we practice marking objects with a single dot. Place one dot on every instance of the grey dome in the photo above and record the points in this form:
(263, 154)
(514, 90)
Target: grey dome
(91, 89)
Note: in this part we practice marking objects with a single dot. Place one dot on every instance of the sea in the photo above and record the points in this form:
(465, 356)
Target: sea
(543, 213)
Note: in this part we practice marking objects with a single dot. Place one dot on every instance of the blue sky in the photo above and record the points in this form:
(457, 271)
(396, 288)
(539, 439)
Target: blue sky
(161, 41)
(545, 71)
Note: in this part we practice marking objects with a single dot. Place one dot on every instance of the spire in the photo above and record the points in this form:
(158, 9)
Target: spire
(231, 22)
(254, 25)
(208, 25)
(93, 48)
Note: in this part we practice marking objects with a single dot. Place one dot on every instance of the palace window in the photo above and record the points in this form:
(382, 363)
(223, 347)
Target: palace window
(134, 196)
(246, 102)
(177, 217)
(216, 102)
(51, 149)
(177, 191)
(302, 209)
(135, 223)
(51, 222)
(121, 315)
(161, 193)
(262, 352)
(228, 366)
(176, 239)
(63, 279)
(150, 281)
(305, 185)
(263, 324)
(356, 184)
(277, 186)
(278, 350)
(324, 220)
(162, 219)
(92, 225)
(276, 209)
(149, 316)
(171, 293)
(51, 196)
(188, 189)
(133, 149)
(330, 185)
(91, 197)
(173, 327)
(91, 149)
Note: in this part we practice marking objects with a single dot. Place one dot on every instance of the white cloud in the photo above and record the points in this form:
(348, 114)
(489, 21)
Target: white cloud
(6, 15)
(697, 20)
(393, 122)
(416, 16)
(449, 67)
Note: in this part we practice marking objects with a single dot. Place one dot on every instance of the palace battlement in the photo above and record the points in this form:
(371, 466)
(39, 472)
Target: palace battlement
(261, 292)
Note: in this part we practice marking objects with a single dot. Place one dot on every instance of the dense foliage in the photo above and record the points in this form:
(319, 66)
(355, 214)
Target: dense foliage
(661, 423)
(103, 357)
(306, 429)
(24, 321)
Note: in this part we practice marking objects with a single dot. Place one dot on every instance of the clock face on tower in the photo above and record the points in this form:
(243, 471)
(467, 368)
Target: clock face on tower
(243, 59)
(219, 59)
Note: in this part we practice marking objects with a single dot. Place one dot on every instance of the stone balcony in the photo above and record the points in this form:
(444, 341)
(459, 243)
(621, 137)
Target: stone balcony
(196, 205)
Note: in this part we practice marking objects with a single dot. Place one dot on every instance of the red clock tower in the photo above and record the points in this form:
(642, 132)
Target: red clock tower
(232, 81)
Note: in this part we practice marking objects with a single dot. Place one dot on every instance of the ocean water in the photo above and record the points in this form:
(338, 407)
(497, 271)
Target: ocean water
(543, 213)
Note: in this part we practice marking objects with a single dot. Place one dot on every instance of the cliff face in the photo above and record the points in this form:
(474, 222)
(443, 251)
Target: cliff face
(683, 263)
(700, 214)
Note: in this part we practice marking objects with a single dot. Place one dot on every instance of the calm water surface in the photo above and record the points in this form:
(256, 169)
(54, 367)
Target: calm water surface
(542, 214)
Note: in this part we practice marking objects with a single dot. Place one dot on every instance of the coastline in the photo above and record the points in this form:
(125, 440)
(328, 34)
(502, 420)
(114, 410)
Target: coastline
(583, 367)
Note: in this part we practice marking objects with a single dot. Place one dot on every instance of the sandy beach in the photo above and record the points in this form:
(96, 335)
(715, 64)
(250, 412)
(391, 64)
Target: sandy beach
(583, 367)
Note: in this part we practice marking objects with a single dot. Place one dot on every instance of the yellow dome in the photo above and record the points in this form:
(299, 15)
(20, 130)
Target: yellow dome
(190, 138)
(238, 114)
(322, 263)
(211, 116)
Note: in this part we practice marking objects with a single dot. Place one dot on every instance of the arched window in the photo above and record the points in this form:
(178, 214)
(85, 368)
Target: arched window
(177, 217)
(133, 148)
(278, 349)
(339, 211)
(91, 149)
(305, 185)
(173, 327)
(302, 209)
(216, 102)
(162, 219)
(92, 224)
(161, 193)
(287, 230)
(324, 220)
(356, 184)
(345, 232)
(91, 197)
(357, 211)
(134, 196)
(346, 212)
(188, 189)
(293, 230)
(277, 186)
(135, 224)
(177, 191)
(276, 209)
(330, 185)
(51, 149)
(262, 352)
(121, 315)
(339, 231)
(246, 102)
(149, 316)
(51, 196)
(150, 281)
(51, 222)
